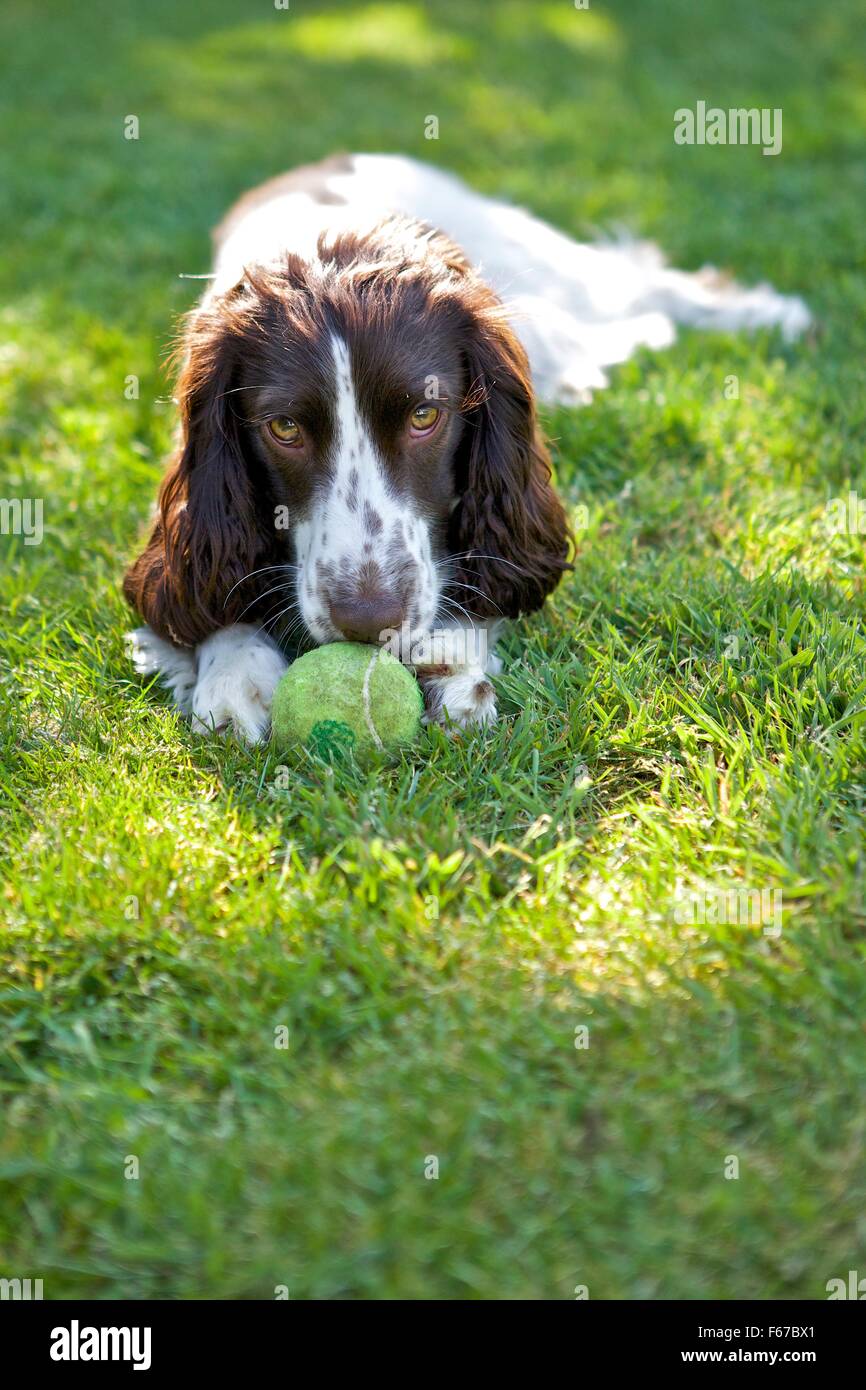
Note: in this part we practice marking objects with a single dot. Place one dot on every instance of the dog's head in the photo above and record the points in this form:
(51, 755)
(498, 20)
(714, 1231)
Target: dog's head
(359, 450)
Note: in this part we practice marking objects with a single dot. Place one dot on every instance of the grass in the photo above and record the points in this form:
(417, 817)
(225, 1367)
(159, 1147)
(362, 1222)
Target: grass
(687, 716)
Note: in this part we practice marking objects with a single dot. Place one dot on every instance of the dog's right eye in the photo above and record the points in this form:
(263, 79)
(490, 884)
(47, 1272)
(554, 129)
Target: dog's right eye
(284, 430)
(424, 418)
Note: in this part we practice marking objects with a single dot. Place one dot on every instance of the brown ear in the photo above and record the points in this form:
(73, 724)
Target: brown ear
(509, 529)
(212, 528)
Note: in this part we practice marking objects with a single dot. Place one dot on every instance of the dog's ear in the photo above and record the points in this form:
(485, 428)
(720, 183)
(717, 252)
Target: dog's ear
(508, 531)
(213, 528)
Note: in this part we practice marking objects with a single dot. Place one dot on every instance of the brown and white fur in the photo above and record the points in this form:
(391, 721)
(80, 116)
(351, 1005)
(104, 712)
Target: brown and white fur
(351, 298)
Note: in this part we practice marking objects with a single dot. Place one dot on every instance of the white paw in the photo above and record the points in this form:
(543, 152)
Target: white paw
(465, 699)
(238, 672)
(176, 666)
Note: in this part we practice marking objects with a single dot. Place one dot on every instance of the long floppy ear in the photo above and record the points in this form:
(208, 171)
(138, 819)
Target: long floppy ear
(212, 527)
(508, 529)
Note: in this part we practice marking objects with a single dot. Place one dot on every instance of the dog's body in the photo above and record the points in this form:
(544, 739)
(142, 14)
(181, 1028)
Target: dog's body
(360, 450)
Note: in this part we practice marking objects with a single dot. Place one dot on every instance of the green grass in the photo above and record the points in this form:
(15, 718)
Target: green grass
(432, 931)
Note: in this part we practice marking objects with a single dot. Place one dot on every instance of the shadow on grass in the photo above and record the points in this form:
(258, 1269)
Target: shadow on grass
(232, 94)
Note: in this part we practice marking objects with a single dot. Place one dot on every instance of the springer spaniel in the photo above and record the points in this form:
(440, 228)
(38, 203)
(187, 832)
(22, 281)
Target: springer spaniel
(360, 457)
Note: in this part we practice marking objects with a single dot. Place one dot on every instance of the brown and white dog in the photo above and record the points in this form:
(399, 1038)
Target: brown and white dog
(359, 453)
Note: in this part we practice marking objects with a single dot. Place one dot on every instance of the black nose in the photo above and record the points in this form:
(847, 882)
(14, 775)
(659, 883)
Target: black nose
(366, 619)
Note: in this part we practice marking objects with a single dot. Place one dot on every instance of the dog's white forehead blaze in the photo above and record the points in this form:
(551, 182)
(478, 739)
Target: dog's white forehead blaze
(360, 481)
(361, 526)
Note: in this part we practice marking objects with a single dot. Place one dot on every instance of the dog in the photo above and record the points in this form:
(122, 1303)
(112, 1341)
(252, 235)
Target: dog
(359, 452)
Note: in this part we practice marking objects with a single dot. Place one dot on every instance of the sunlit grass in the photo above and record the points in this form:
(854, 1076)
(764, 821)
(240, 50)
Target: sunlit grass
(687, 717)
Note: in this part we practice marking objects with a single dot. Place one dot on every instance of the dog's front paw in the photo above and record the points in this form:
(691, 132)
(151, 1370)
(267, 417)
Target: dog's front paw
(176, 666)
(238, 672)
(460, 699)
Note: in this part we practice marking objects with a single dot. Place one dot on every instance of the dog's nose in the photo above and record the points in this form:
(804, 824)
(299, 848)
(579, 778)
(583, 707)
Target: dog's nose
(366, 619)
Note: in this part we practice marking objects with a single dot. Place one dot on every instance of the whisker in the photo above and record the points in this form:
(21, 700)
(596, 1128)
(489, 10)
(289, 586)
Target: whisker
(473, 588)
(277, 589)
(295, 635)
(478, 555)
(253, 601)
(233, 390)
(451, 559)
(444, 598)
(275, 604)
(500, 559)
(264, 569)
(269, 622)
(296, 624)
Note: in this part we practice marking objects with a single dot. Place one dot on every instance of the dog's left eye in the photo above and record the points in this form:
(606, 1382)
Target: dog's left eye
(424, 418)
(284, 430)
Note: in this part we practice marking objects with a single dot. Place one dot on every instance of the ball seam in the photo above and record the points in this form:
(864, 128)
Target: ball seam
(368, 714)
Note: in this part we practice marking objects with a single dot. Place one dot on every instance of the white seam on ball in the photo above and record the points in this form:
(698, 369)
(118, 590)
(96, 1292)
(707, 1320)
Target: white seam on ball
(368, 715)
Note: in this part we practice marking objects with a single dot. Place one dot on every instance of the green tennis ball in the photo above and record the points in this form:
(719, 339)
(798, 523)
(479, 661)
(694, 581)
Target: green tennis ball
(347, 695)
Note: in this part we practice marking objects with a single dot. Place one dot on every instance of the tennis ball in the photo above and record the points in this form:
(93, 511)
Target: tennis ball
(344, 695)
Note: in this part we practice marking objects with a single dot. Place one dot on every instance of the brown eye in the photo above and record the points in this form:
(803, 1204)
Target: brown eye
(284, 430)
(424, 418)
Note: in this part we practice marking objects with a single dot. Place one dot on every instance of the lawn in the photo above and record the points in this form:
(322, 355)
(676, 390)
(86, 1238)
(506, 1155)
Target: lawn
(447, 1026)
